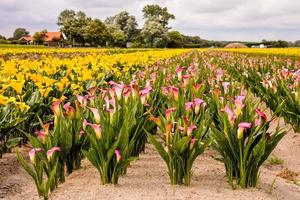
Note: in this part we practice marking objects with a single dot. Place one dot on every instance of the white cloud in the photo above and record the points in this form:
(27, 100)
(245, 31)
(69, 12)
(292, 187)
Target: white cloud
(211, 19)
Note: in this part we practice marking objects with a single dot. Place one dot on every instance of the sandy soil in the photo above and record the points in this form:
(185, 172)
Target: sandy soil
(147, 179)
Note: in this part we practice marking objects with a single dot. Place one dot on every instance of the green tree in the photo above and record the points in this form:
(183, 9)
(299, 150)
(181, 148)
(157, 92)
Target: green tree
(175, 39)
(158, 13)
(72, 25)
(95, 33)
(2, 37)
(38, 37)
(124, 22)
(297, 43)
(117, 37)
(19, 32)
(154, 34)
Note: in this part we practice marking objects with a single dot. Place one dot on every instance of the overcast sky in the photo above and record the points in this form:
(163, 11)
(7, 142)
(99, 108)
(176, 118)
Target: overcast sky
(251, 20)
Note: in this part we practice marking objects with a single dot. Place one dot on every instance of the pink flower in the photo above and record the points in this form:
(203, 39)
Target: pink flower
(85, 123)
(96, 115)
(98, 131)
(168, 113)
(56, 108)
(118, 155)
(179, 72)
(82, 100)
(190, 129)
(188, 106)
(118, 89)
(225, 86)
(46, 127)
(230, 114)
(165, 90)
(51, 151)
(42, 135)
(111, 114)
(186, 78)
(69, 109)
(192, 143)
(81, 133)
(197, 103)
(175, 92)
(238, 102)
(32, 153)
(242, 127)
(261, 114)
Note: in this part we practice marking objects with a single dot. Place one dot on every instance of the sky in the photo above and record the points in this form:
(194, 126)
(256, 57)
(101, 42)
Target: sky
(236, 20)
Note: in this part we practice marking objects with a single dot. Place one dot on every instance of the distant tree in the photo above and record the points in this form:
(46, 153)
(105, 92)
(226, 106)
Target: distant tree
(39, 37)
(117, 37)
(72, 25)
(154, 34)
(124, 22)
(175, 39)
(19, 32)
(95, 33)
(297, 43)
(157, 13)
(2, 37)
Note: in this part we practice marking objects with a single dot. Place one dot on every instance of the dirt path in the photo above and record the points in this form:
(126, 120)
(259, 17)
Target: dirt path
(147, 179)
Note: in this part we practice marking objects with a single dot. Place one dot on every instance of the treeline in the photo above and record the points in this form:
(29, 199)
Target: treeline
(121, 30)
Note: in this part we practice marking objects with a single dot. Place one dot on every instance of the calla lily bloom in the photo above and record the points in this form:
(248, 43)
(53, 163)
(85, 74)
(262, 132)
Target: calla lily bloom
(175, 92)
(230, 114)
(82, 100)
(225, 86)
(186, 78)
(261, 114)
(51, 151)
(96, 115)
(188, 106)
(168, 113)
(197, 103)
(85, 123)
(81, 133)
(168, 132)
(192, 143)
(32, 153)
(56, 108)
(69, 110)
(156, 120)
(98, 131)
(238, 102)
(118, 155)
(42, 135)
(190, 129)
(46, 127)
(242, 127)
(179, 72)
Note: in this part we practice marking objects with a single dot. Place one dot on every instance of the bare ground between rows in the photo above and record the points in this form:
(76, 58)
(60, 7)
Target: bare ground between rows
(147, 179)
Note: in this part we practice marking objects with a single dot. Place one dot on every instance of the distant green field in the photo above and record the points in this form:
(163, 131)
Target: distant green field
(21, 46)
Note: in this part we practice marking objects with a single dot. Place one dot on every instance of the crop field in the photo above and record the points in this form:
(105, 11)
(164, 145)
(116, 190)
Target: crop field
(158, 123)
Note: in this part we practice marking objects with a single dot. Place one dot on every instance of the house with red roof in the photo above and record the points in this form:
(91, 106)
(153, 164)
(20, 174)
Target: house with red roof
(50, 39)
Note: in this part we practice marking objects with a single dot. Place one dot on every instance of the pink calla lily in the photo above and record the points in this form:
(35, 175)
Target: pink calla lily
(96, 115)
(32, 153)
(51, 151)
(242, 126)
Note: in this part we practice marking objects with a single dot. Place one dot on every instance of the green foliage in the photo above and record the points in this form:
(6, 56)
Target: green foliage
(175, 39)
(40, 167)
(95, 33)
(158, 13)
(243, 149)
(19, 32)
(110, 141)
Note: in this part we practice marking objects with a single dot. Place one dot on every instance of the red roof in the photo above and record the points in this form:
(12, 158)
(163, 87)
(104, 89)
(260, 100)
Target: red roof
(50, 36)
(27, 38)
